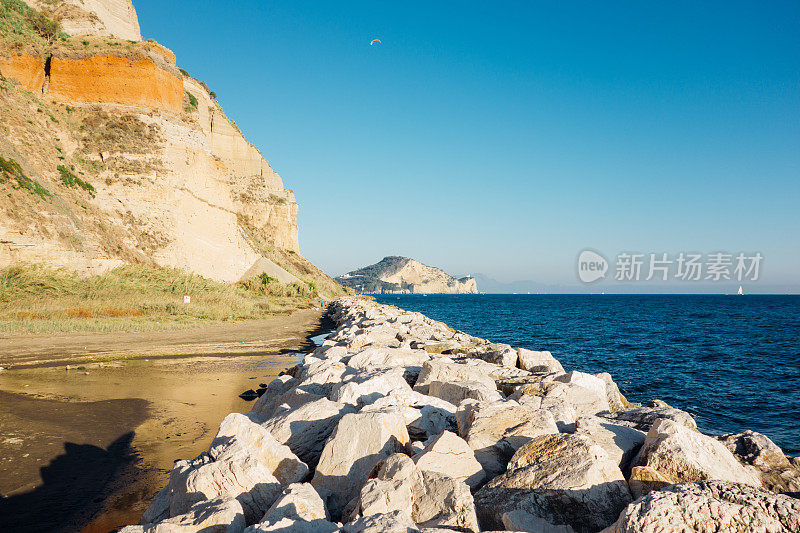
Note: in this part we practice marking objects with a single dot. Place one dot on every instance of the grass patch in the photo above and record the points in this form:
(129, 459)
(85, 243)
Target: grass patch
(37, 298)
(269, 286)
(21, 25)
(71, 180)
(192, 102)
(101, 132)
(11, 171)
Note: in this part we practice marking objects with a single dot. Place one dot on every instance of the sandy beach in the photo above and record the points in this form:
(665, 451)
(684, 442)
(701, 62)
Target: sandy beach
(87, 448)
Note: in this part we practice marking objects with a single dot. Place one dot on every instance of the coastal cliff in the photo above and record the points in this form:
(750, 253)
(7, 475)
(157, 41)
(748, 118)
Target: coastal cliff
(112, 154)
(400, 423)
(401, 275)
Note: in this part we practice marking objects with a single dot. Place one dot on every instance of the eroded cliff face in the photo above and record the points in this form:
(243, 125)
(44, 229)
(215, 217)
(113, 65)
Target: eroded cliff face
(173, 180)
(106, 18)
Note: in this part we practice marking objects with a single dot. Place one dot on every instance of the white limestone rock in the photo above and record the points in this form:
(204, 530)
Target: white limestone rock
(681, 454)
(236, 474)
(446, 370)
(218, 515)
(287, 525)
(264, 406)
(776, 471)
(450, 455)
(710, 506)
(616, 400)
(367, 387)
(394, 522)
(381, 357)
(237, 429)
(621, 443)
(455, 391)
(643, 417)
(498, 354)
(299, 501)
(443, 501)
(359, 442)
(540, 362)
(559, 479)
(496, 430)
(425, 416)
(306, 428)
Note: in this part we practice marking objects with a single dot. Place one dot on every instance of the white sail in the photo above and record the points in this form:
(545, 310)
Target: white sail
(740, 290)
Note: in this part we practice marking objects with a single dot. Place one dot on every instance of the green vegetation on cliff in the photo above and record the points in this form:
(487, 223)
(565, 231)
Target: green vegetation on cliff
(37, 298)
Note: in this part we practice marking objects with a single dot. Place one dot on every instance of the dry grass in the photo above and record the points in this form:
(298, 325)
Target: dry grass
(36, 298)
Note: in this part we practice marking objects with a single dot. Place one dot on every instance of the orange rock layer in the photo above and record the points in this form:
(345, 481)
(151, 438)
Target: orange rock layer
(115, 80)
(27, 70)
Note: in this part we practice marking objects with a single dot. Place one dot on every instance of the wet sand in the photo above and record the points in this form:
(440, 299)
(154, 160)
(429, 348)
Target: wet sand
(87, 449)
(242, 337)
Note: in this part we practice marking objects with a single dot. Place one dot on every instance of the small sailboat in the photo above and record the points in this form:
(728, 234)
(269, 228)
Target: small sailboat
(741, 291)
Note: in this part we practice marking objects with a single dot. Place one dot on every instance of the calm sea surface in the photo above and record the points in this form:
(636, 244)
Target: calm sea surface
(731, 361)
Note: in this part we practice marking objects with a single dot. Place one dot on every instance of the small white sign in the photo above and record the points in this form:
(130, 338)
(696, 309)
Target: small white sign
(187, 299)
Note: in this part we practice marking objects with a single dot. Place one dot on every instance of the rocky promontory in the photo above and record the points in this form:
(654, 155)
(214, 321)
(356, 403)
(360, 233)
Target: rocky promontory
(399, 423)
(402, 275)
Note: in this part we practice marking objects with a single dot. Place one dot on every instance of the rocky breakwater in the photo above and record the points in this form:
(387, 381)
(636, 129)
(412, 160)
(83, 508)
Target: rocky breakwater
(400, 423)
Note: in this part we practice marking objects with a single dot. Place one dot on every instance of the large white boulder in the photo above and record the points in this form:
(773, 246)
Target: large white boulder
(643, 417)
(498, 354)
(621, 443)
(540, 362)
(306, 428)
(367, 387)
(425, 416)
(455, 391)
(710, 506)
(235, 474)
(560, 480)
(681, 454)
(382, 357)
(218, 515)
(449, 454)
(776, 470)
(496, 430)
(443, 501)
(264, 406)
(445, 370)
(394, 522)
(287, 525)
(359, 442)
(430, 498)
(298, 502)
(238, 430)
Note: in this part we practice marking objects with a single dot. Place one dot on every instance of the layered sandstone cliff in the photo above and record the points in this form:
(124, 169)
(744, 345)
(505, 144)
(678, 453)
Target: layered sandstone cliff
(106, 18)
(173, 180)
(403, 275)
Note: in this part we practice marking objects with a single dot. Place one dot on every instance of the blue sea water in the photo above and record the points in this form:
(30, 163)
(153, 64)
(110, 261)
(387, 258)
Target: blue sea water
(731, 361)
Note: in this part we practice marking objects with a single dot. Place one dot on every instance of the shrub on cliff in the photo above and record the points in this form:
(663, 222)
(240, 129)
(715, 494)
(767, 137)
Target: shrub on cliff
(11, 172)
(71, 180)
(22, 25)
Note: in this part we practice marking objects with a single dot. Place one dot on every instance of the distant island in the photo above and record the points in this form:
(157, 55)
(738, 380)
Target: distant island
(402, 275)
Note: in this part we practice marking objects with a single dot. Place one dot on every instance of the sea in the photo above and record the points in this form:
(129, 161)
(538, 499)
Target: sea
(733, 362)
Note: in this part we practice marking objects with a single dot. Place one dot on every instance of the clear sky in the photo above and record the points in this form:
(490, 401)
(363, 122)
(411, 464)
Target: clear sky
(506, 137)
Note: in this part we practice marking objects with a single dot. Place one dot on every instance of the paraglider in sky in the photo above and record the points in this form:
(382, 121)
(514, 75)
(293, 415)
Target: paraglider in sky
(373, 41)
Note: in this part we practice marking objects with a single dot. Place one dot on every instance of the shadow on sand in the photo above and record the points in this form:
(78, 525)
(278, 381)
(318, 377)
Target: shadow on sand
(72, 490)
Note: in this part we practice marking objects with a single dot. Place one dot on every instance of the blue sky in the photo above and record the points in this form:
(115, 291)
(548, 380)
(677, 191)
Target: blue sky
(506, 137)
